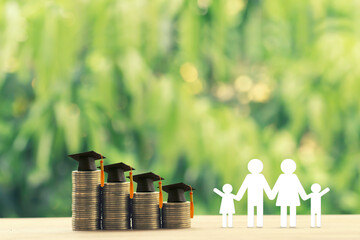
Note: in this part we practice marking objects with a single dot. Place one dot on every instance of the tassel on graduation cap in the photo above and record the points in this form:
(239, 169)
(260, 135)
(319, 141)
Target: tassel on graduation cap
(131, 184)
(102, 176)
(160, 195)
(191, 203)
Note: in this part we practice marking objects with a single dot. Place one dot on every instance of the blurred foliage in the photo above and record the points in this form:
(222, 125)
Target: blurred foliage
(191, 90)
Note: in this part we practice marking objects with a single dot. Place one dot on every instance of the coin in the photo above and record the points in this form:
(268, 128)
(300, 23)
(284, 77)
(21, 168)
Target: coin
(145, 208)
(176, 215)
(85, 200)
(116, 214)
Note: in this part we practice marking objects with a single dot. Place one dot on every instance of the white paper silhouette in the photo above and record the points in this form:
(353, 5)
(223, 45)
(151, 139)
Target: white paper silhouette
(227, 207)
(256, 184)
(288, 188)
(315, 197)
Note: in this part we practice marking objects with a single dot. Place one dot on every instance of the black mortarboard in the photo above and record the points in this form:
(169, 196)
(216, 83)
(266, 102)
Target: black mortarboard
(86, 160)
(116, 171)
(145, 181)
(176, 192)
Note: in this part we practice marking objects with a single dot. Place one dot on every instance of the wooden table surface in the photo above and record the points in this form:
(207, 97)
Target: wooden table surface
(203, 227)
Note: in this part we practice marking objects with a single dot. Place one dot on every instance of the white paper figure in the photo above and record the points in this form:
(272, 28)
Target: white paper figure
(256, 184)
(289, 187)
(227, 204)
(315, 197)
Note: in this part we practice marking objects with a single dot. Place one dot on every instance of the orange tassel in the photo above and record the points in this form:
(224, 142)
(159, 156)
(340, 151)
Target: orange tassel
(131, 185)
(191, 204)
(102, 177)
(160, 195)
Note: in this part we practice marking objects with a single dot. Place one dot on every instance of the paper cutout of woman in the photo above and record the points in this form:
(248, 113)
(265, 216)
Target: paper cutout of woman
(288, 188)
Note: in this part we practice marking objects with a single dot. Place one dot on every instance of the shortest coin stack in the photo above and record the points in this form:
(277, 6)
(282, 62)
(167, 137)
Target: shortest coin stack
(115, 209)
(146, 210)
(176, 215)
(85, 200)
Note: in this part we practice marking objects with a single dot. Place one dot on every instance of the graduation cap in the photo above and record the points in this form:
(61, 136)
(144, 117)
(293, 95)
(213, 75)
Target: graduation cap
(176, 192)
(145, 181)
(86, 160)
(116, 171)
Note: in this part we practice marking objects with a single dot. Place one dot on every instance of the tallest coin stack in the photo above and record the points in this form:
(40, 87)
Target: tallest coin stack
(85, 193)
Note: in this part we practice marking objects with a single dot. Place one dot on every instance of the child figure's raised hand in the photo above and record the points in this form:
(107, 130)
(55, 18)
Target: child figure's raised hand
(218, 192)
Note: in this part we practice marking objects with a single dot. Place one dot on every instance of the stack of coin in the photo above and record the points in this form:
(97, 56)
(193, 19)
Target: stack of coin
(146, 210)
(85, 200)
(176, 215)
(116, 206)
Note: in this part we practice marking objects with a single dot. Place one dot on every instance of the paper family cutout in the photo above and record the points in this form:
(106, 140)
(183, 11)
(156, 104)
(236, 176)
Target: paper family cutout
(287, 189)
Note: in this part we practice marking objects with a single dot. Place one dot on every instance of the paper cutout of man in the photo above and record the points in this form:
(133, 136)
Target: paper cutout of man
(255, 183)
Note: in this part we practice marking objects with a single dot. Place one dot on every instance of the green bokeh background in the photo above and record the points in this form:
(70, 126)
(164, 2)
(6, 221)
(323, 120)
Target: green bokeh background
(191, 90)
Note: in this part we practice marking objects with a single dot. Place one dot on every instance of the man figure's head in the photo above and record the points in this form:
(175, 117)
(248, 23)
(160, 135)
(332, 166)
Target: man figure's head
(255, 166)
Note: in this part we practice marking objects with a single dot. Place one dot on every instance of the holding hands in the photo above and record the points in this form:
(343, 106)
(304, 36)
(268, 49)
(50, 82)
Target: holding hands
(287, 188)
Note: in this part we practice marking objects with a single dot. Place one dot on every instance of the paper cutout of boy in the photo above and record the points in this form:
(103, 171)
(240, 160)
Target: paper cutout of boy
(256, 184)
(315, 197)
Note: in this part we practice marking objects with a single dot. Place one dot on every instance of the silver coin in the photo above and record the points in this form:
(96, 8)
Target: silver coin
(116, 214)
(85, 200)
(176, 215)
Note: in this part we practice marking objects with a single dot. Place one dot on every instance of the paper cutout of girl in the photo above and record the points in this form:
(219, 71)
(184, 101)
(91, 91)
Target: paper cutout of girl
(227, 208)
